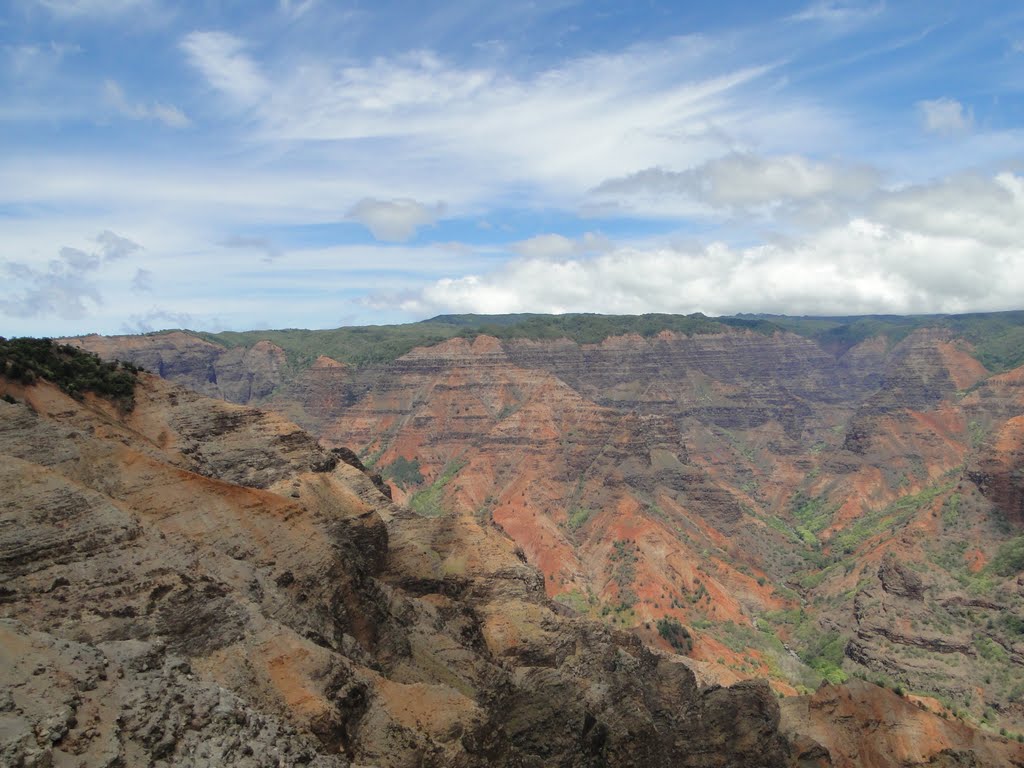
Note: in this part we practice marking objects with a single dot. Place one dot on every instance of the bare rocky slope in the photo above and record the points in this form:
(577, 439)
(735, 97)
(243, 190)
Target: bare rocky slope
(856, 504)
(198, 583)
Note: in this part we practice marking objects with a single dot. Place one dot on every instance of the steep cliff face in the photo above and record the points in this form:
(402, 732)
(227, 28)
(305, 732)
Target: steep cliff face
(864, 726)
(200, 583)
(239, 375)
(753, 487)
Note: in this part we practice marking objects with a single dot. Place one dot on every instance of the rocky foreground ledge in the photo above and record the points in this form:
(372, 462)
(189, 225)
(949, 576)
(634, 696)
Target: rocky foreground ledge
(196, 583)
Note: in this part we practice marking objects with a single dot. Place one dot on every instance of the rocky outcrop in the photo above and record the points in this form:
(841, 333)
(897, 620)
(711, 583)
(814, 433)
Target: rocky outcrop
(899, 580)
(127, 702)
(864, 726)
(199, 583)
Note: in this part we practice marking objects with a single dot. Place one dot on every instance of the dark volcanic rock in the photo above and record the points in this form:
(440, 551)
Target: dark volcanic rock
(899, 580)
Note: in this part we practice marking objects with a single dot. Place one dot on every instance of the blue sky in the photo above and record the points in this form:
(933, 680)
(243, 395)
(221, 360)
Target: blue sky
(305, 163)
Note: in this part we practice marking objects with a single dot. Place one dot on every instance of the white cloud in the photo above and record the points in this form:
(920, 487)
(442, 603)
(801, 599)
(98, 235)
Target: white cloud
(988, 211)
(262, 245)
(64, 287)
(946, 116)
(167, 114)
(835, 12)
(394, 220)
(744, 180)
(143, 281)
(220, 57)
(562, 130)
(553, 246)
(295, 8)
(916, 256)
(156, 319)
(36, 62)
(113, 246)
(145, 12)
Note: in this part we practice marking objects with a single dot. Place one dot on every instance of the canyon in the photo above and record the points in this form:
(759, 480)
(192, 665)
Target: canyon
(760, 503)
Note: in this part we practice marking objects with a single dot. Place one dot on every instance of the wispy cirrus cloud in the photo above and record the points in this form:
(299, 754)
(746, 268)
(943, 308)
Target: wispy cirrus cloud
(572, 124)
(168, 114)
(262, 245)
(73, 8)
(222, 59)
(836, 12)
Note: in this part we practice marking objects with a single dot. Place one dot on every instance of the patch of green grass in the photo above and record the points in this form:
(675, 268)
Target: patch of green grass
(574, 599)
(429, 502)
(578, 518)
(951, 511)
(989, 649)
(977, 433)
(1010, 557)
(817, 577)
(779, 525)
(370, 459)
(403, 472)
(896, 514)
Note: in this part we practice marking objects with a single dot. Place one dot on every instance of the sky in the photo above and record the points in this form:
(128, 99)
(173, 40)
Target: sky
(234, 165)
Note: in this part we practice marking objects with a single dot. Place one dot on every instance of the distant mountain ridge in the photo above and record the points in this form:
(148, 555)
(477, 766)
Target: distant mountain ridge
(998, 336)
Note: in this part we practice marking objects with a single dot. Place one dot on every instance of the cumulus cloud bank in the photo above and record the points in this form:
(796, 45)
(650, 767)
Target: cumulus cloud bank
(949, 247)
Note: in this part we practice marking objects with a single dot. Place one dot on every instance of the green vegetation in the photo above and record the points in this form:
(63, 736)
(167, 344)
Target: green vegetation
(576, 600)
(361, 345)
(822, 651)
(358, 344)
(998, 337)
(624, 559)
(989, 649)
(591, 329)
(429, 502)
(676, 634)
(813, 515)
(1010, 557)
(951, 511)
(403, 472)
(896, 514)
(73, 370)
(578, 518)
